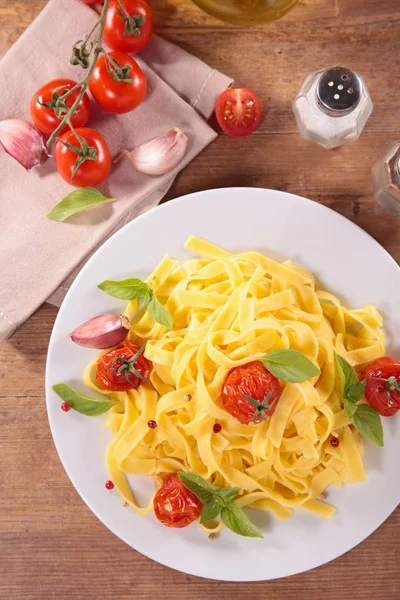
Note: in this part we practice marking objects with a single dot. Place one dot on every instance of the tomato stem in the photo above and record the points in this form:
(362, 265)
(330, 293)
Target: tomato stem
(81, 56)
(128, 365)
(117, 72)
(260, 413)
(133, 23)
(392, 384)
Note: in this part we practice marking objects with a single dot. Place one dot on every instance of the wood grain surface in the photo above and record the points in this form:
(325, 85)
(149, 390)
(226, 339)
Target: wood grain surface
(51, 545)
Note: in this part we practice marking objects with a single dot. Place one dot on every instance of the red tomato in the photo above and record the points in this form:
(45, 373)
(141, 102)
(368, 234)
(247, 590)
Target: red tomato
(175, 505)
(91, 172)
(141, 21)
(383, 385)
(45, 118)
(107, 376)
(238, 111)
(252, 380)
(118, 97)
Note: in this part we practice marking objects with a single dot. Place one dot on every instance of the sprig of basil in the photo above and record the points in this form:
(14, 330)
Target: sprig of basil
(85, 405)
(136, 289)
(290, 365)
(76, 201)
(363, 417)
(219, 501)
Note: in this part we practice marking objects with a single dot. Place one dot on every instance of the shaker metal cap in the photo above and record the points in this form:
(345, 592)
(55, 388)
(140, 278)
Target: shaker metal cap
(339, 91)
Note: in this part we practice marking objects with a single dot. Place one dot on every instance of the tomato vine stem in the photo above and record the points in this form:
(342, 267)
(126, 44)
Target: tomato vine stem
(83, 85)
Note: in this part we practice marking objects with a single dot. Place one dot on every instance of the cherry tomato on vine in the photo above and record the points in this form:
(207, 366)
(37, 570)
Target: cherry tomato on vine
(257, 383)
(118, 96)
(175, 505)
(91, 171)
(238, 111)
(383, 385)
(130, 30)
(42, 101)
(118, 370)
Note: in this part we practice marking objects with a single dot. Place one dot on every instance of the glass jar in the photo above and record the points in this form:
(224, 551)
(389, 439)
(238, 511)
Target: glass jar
(244, 12)
(386, 180)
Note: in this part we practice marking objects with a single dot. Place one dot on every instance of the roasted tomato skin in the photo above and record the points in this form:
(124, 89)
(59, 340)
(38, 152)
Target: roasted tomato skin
(376, 391)
(107, 378)
(254, 380)
(175, 505)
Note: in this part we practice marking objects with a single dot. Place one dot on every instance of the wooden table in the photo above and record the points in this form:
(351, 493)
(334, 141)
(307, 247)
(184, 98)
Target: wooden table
(52, 546)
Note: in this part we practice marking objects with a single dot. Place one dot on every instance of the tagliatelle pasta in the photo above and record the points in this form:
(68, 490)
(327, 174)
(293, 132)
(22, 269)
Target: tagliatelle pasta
(230, 309)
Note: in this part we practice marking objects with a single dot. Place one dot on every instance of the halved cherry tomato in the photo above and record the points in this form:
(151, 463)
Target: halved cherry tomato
(238, 111)
(132, 32)
(175, 505)
(383, 385)
(116, 372)
(45, 118)
(118, 96)
(91, 172)
(256, 382)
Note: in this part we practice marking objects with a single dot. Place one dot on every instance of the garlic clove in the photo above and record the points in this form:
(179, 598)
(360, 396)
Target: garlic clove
(103, 332)
(160, 155)
(21, 140)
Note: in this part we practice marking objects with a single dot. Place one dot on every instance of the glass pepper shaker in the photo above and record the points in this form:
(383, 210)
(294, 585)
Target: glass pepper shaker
(386, 180)
(332, 107)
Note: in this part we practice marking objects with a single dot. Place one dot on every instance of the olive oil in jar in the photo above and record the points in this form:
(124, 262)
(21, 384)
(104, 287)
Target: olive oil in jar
(247, 11)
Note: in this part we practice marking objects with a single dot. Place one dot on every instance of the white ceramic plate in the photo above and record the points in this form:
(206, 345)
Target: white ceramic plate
(347, 262)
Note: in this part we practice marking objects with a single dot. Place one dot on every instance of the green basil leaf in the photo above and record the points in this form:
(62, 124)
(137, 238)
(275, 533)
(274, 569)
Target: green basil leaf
(348, 376)
(228, 493)
(76, 201)
(349, 406)
(199, 486)
(128, 289)
(144, 296)
(356, 391)
(136, 289)
(237, 521)
(290, 365)
(159, 314)
(85, 405)
(368, 423)
(210, 511)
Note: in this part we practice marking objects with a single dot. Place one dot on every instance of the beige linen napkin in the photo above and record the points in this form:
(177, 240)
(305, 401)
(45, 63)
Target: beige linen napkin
(39, 257)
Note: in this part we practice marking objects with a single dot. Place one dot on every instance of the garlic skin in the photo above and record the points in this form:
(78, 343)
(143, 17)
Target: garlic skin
(21, 140)
(102, 332)
(160, 155)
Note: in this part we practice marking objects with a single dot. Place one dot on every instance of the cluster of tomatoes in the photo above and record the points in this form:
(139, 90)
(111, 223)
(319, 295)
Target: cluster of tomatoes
(112, 93)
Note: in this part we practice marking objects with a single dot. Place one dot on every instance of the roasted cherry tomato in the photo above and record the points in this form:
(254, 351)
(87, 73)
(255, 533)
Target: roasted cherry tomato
(118, 96)
(257, 383)
(92, 171)
(43, 114)
(118, 372)
(132, 31)
(383, 385)
(175, 505)
(238, 111)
